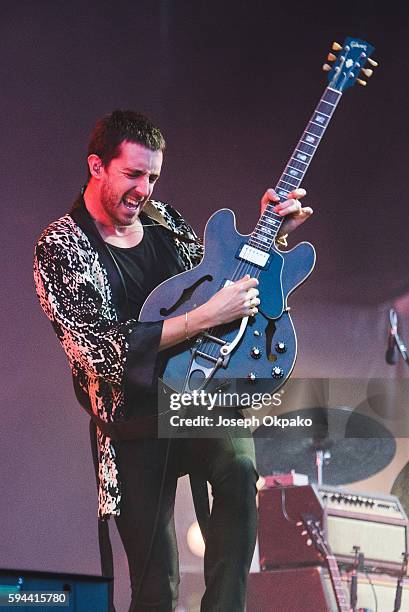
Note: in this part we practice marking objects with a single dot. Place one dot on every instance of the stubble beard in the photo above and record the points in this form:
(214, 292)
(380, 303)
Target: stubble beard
(111, 204)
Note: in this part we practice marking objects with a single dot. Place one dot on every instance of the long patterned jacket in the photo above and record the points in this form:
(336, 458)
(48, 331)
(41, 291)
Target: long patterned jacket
(81, 292)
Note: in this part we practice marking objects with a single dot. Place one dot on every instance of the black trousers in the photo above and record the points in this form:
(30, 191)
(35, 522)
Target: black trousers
(229, 465)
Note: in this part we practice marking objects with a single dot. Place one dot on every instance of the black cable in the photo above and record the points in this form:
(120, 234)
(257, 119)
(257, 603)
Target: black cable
(283, 509)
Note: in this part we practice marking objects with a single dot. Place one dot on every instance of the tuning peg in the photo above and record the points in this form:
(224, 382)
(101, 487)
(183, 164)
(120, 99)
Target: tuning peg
(326, 67)
(372, 62)
(336, 46)
(331, 57)
(361, 82)
(368, 72)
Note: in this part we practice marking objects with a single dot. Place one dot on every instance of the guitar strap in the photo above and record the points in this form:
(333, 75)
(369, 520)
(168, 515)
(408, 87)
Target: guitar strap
(152, 212)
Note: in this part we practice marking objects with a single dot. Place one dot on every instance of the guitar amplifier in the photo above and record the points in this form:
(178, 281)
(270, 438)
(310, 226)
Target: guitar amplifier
(374, 522)
(309, 589)
(305, 589)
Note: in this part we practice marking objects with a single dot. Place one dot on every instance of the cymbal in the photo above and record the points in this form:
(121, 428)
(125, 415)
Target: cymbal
(358, 445)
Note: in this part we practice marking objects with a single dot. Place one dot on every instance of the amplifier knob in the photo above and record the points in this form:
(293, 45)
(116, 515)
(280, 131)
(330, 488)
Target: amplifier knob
(255, 352)
(277, 372)
(281, 347)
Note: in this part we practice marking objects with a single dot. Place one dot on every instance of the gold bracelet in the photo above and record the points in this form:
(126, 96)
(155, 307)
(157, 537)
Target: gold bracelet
(186, 328)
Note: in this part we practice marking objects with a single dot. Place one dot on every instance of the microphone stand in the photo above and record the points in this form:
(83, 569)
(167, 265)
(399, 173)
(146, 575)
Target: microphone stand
(399, 584)
(359, 563)
(354, 581)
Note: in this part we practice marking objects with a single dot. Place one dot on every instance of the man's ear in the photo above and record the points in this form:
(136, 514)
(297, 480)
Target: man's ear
(95, 165)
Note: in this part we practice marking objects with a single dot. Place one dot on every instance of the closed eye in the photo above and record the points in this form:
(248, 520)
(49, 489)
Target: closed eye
(152, 178)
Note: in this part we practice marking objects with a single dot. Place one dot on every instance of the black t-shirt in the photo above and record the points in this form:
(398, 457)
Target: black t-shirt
(144, 267)
(147, 264)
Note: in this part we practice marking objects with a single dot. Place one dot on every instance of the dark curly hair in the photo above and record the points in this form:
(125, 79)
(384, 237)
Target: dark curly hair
(119, 126)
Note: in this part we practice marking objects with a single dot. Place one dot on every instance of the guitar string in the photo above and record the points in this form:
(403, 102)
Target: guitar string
(241, 270)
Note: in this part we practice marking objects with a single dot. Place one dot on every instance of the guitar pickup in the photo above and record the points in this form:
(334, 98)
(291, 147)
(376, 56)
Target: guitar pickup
(258, 258)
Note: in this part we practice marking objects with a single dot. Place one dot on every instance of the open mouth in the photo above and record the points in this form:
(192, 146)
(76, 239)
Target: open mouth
(131, 204)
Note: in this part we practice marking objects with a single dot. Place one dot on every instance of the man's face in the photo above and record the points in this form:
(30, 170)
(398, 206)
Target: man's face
(128, 181)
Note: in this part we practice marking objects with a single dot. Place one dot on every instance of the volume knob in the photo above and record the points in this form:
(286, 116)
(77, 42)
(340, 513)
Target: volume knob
(277, 372)
(281, 347)
(255, 352)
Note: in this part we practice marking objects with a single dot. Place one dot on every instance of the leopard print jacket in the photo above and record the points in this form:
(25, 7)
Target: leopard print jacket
(76, 295)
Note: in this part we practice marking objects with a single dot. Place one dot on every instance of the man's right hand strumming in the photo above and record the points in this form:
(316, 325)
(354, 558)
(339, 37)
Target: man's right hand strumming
(235, 301)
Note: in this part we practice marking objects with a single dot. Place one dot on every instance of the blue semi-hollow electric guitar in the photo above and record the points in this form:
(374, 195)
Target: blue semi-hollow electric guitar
(254, 353)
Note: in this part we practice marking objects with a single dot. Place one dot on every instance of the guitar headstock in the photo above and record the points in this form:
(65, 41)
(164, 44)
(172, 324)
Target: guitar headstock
(311, 529)
(350, 63)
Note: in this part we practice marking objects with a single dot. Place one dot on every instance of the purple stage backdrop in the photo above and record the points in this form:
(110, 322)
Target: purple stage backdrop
(232, 84)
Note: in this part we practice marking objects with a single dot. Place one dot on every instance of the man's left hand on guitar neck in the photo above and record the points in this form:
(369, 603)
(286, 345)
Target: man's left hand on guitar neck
(294, 214)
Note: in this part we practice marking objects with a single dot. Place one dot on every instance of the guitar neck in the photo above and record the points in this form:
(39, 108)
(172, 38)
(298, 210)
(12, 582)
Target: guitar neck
(269, 224)
(336, 581)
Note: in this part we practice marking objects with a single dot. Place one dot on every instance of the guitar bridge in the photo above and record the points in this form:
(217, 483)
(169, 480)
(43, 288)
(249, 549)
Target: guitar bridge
(210, 357)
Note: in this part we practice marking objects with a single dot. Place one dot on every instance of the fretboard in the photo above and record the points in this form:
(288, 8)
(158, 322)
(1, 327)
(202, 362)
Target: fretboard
(337, 584)
(270, 222)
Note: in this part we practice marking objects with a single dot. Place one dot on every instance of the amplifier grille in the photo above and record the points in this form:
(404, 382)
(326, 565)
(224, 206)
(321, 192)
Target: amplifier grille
(378, 541)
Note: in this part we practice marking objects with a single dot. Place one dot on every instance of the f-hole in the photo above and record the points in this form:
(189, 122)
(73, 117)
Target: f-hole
(185, 296)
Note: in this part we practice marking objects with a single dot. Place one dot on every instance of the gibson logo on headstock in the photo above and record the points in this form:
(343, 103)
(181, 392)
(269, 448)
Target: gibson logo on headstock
(358, 45)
